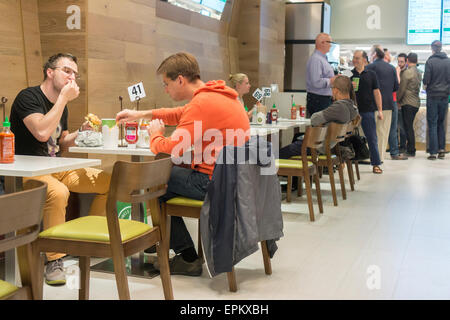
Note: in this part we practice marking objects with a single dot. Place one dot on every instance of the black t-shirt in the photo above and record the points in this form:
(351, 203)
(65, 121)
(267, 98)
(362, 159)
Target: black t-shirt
(29, 101)
(364, 96)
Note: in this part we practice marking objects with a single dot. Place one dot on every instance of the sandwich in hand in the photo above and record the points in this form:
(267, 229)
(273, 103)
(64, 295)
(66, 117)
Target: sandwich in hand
(93, 121)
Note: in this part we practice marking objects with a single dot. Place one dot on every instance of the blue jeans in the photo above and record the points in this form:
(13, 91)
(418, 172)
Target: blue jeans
(370, 131)
(187, 183)
(402, 131)
(393, 134)
(437, 108)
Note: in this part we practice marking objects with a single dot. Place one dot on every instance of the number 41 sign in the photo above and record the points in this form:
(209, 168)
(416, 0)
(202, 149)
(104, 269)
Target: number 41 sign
(136, 91)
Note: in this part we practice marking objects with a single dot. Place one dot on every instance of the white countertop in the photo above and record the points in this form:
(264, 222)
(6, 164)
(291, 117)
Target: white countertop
(283, 124)
(258, 130)
(32, 166)
(295, 121)
(115, 150)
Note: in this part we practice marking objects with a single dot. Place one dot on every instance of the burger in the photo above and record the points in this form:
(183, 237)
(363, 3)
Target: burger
(93, 121)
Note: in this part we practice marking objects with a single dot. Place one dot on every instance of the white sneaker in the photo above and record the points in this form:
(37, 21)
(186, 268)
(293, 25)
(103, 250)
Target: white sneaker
(54, 273)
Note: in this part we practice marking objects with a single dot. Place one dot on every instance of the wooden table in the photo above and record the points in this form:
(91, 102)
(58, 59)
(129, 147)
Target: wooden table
(33, 166)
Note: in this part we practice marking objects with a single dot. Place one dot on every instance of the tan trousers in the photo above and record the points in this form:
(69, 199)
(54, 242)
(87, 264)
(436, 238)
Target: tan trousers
(88, 180)
(383, 128)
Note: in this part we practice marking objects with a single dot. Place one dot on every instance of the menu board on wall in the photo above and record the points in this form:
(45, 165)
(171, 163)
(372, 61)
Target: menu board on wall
(446, 22)
(424, 21)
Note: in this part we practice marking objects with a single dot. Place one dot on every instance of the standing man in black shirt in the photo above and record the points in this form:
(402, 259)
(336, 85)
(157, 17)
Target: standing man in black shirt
(388, 81)
(368, 97)
(39, 122)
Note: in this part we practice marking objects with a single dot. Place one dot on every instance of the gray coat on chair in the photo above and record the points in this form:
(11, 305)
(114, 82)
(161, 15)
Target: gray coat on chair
(242, 206)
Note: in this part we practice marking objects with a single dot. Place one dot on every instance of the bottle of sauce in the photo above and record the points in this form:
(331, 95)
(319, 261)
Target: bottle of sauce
(303, 112)
(6, 143)
(293, 112)
(274, 114)
(131, 134)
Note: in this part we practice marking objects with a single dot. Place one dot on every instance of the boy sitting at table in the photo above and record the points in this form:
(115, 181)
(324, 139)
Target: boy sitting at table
(211, 106)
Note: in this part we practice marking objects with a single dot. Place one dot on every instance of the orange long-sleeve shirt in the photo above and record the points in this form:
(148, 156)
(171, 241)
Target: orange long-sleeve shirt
(204, 123)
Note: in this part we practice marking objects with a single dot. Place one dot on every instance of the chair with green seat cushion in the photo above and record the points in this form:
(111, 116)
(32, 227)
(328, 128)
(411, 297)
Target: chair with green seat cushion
(6, 289)
(314, 138)
(336, 133)
(106, 237)
(94, 228)
(21, 215)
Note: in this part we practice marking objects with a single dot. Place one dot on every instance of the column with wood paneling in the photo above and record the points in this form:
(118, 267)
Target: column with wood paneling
(62, 25)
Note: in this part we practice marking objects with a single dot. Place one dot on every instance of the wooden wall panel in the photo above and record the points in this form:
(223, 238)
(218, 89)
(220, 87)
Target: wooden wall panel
(133, 37)
(56, 37)
(20, 54)
(271, 46)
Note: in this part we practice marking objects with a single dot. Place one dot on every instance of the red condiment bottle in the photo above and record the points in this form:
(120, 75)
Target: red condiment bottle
(274, 113)
(131, 133)
(6, 143)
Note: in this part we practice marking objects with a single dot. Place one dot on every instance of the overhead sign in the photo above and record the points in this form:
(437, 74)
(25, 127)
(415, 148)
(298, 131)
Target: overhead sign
(424, 21)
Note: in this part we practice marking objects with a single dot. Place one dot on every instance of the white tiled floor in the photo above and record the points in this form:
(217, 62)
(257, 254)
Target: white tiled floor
(397, 223)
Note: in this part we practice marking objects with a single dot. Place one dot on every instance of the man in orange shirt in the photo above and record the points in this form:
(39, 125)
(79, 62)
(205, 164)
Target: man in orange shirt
(213, 114)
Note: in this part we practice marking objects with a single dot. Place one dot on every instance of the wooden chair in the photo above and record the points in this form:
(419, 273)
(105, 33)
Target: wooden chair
(93, 236)
(356, 125)
(22, 214)
(349, 162)
(190, 208)
(305, 166)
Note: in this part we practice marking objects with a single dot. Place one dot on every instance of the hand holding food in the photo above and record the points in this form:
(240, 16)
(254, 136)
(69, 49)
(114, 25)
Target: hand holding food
(70, 91)
(156, 126)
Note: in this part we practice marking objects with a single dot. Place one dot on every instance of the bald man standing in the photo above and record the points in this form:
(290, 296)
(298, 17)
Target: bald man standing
(319, 77)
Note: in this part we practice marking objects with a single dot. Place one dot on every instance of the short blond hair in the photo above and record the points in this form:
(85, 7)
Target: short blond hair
(181, 63)
(236, 78)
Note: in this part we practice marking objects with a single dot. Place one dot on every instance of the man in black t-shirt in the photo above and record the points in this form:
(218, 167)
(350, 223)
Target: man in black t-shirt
(368, 97)
(39, 122)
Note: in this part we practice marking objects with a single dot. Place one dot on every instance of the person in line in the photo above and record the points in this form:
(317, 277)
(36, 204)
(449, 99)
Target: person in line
(213, 105)
(319, 77)
(368, 97)
(39, 122)
(436, 81)
(401, 65)
(408, 99)
(342, 110)
(386, 128)
(240, 83)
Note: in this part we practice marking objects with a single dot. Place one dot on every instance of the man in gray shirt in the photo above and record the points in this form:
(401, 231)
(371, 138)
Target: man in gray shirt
(319, 76)
(342, 110)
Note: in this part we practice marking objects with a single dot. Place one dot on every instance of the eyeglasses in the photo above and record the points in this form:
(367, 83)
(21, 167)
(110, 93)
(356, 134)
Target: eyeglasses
(69, 71)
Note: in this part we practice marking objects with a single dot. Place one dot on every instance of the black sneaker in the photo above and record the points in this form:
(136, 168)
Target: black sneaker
(151, 250)
(284, 188)
(441, 155)
(180, 267)
(432, 157)
(410, 155)
(399, 157)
